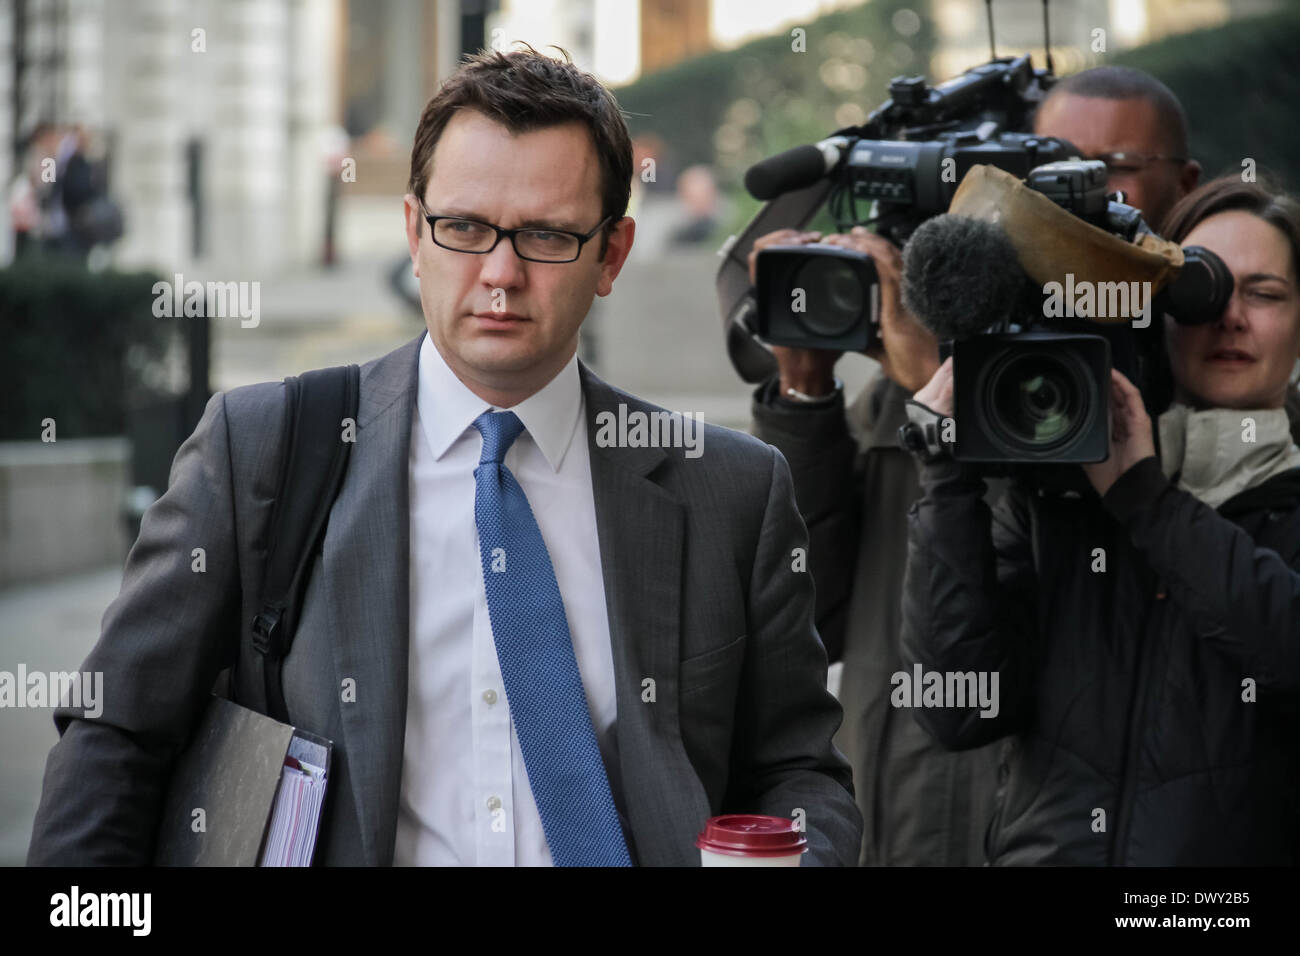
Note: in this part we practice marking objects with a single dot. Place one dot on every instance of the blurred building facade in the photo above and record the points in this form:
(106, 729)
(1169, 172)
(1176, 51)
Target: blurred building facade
(225, 120)
(672, 30)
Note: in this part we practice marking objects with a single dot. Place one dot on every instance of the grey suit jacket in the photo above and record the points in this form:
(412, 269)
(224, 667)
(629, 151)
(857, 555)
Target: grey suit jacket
(699, 581)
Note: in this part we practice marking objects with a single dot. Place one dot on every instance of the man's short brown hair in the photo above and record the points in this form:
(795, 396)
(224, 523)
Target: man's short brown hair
(524, 90)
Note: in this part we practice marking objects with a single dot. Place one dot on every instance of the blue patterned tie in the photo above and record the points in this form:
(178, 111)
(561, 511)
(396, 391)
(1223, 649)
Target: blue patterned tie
(543, 686)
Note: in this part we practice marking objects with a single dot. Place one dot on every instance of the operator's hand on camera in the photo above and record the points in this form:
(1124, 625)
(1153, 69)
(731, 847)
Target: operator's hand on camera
(910, 353)
(1130, 434)
(936, 394)
(808, 371)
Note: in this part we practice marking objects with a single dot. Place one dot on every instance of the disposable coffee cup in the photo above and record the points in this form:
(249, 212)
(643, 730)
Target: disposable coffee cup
(748, 839)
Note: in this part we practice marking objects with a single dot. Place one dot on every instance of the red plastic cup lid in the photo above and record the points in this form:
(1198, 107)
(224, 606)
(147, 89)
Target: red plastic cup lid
(750, 834)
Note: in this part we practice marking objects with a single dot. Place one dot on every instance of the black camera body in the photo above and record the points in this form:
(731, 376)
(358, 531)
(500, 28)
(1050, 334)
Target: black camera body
(1032, 398)
(825, 297)
(1041, 394)
(912, 181)
(908, 182)
(900, 167)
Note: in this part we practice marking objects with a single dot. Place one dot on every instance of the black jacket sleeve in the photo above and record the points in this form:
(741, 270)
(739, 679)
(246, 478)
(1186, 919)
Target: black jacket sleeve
(1240, 597)
(968, 599)
(816, 443)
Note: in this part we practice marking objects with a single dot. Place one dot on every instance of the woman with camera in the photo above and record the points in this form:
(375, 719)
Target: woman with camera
(1146, 639)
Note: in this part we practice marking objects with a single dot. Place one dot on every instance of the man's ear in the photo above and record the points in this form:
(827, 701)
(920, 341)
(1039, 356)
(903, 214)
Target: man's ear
(414, 226)
(620, 244)
(1190, 176)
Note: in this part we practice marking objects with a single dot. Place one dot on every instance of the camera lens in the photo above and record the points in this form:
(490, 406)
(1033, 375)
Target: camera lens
(844, 290)
(1037, 401)
(833, 299)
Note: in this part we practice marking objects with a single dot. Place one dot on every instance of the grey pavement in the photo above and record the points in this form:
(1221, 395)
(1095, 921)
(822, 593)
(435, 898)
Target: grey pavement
(45, 627)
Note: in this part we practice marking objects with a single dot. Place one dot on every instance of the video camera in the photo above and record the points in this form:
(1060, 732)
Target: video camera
(1032, 359)
(906, 161)
(1031, 387)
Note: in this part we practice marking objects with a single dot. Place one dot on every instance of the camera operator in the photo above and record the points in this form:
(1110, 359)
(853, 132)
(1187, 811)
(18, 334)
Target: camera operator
(1135, 125)
(922, 805)
(1146, 638)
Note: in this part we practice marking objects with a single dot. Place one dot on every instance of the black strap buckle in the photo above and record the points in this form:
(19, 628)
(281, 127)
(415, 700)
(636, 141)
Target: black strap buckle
(266, 630)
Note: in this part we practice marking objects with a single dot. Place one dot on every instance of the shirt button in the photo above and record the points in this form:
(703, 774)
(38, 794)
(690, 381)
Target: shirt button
(494, 803)
(489, 697)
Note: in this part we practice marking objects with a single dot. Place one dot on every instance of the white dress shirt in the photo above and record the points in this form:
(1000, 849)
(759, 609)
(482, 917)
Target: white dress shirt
(465, 797)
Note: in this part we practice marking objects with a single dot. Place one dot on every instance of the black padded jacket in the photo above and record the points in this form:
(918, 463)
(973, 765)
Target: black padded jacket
(1147, 649)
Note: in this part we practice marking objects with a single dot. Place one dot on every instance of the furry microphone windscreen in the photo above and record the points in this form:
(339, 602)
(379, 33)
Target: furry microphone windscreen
(961, 275)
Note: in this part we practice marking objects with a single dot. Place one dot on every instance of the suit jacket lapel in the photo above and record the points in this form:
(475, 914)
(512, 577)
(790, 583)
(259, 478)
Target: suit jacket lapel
(366, 566)
(641, 529)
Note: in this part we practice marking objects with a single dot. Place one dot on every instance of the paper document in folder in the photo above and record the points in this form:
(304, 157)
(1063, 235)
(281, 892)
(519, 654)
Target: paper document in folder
(228, 786)
(295, 818)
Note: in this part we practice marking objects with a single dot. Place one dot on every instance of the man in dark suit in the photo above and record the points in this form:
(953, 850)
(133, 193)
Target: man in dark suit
(549, 623)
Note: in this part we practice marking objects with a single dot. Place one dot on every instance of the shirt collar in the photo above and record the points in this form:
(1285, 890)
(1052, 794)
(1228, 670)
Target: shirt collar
(1208, 454)
(447, 407)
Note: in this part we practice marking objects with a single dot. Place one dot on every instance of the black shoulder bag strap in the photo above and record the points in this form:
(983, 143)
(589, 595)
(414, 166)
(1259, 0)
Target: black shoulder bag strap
(317, 442)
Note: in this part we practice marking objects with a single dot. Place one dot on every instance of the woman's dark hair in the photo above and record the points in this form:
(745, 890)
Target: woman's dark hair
(1229, 194)
(525, 91)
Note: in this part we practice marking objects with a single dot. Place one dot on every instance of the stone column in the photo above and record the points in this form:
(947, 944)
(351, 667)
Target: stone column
(147, 43)
(314, 67)
(247, 136)
(83, 63)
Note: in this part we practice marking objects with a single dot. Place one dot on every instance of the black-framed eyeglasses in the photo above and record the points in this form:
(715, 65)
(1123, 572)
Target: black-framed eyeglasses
(534, 243)
(1129, 163)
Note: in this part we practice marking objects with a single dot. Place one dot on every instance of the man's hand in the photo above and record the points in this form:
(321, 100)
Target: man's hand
(909, 354)
(936, 394)
(1130, 435)
(810, 371)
